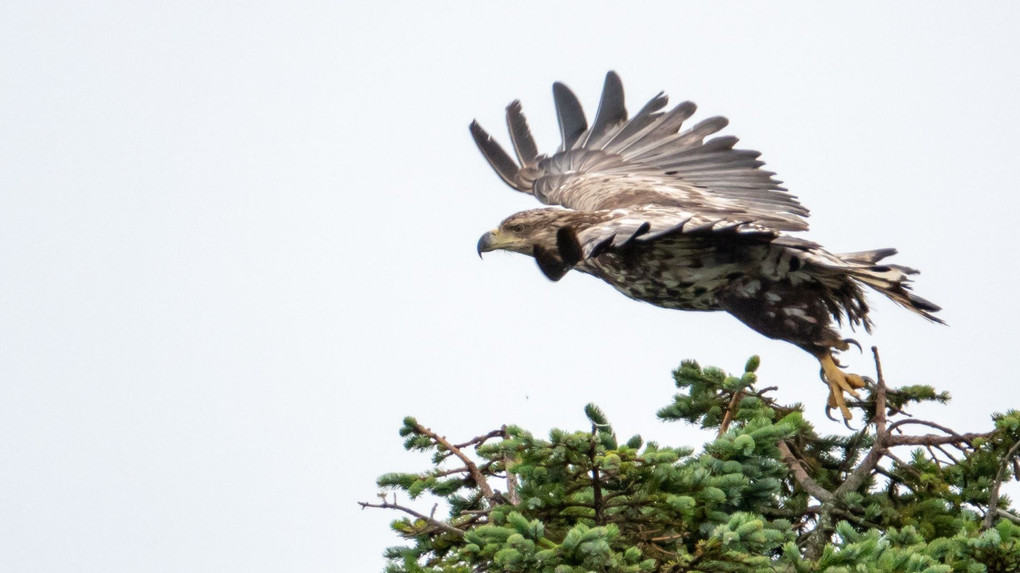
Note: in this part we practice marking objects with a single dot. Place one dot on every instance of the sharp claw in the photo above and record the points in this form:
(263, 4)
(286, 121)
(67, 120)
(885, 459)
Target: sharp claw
(846, 423)
(849, 341)
(828, 409)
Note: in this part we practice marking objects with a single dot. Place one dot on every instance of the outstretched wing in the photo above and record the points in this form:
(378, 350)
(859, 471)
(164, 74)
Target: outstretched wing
(646, 160)
(623, 229)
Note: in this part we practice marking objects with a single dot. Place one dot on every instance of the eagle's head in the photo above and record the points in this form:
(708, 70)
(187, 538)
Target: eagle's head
(549, 235)
(522, 232)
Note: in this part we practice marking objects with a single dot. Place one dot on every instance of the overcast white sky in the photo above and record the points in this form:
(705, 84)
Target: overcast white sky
(237, 246)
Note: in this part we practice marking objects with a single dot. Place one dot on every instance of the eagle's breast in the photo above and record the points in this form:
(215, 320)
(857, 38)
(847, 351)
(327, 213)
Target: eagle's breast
(679, 272)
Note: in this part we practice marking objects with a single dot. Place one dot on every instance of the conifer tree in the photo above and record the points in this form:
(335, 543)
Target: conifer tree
(769, 493)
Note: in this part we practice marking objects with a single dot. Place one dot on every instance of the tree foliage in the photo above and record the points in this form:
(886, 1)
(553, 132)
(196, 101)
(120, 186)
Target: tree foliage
(769, 493)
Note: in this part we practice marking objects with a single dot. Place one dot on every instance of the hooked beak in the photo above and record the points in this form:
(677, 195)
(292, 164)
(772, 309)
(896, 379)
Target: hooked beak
(485, 243)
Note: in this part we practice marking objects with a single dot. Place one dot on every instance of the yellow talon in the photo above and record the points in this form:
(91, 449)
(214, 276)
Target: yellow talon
(839, 382)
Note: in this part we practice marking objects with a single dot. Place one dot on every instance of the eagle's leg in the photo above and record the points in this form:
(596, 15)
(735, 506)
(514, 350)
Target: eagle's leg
(839, 382)
(801, 315)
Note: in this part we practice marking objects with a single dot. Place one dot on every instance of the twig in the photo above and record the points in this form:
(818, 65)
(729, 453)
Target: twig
(445, 473)
(945, 453)
(880, 428)
(479, 440)
(904, 464)
(894, 479)
(934, 458)
(426, 518)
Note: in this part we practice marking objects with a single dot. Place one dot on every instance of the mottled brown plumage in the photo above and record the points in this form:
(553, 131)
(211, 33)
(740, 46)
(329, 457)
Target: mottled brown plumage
(670, 218)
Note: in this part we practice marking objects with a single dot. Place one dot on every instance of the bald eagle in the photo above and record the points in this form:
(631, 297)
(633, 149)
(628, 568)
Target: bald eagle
(670, 218)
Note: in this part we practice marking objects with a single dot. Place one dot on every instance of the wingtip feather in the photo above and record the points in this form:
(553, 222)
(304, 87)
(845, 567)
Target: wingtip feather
(520, 134)
(493, 152)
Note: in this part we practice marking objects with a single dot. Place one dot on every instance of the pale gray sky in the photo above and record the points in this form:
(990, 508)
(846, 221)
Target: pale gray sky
(237, 246)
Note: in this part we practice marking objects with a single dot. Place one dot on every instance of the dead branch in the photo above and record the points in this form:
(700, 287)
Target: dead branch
(993, 495)
(725, 425)
(810, 486)
(960, 437)
(933, 440)
(879, 449)
(1003, 513)
(426, 518)
(479, 440)
(476, 475)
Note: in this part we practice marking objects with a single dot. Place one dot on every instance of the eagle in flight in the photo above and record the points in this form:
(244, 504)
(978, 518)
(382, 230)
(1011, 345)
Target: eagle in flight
(671, 218)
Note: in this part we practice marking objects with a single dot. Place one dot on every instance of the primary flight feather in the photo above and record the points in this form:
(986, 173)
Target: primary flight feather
(671, 218)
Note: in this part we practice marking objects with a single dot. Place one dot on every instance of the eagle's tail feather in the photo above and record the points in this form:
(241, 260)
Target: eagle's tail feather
(891, 280)
(867, 257)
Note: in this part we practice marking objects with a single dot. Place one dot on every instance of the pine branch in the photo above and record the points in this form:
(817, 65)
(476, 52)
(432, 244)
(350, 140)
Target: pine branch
(643, 510)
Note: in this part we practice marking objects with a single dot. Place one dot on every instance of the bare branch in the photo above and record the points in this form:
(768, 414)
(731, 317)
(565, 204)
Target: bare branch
(947, 454)
(476, 475)
(993, 495)
(966, 438)
(444, 473)
(1003, 513)
(479, 440)
(426, 518)
(810, 486)
(932, 440)
(725, 425)
(874, 455)
(880, 428)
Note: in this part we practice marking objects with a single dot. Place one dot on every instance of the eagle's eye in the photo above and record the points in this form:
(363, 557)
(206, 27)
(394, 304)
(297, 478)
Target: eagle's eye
(519, 229)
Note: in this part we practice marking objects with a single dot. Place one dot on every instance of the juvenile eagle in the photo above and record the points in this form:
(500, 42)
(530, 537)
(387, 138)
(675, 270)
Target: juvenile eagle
(668, 218)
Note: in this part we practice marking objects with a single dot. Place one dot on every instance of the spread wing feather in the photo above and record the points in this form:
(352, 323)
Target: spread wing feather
(612, 114)
(624, 227)
(569, 114)
(648, 160)
(520, 134)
